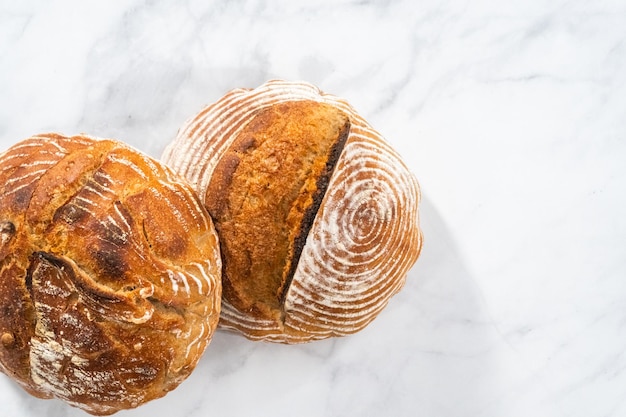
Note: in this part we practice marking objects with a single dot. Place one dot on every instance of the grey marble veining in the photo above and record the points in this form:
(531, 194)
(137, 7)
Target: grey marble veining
(511, 114)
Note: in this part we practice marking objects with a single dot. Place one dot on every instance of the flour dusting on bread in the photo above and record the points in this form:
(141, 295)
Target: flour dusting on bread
(365, 235)
(109, 273)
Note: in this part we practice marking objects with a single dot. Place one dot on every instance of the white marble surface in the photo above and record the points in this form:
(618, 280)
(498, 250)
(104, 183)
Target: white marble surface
(511, 113)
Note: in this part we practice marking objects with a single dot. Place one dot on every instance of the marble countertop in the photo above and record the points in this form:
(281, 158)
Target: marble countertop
(511, 114)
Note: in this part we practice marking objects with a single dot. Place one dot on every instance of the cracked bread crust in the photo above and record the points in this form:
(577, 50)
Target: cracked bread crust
(109, 273)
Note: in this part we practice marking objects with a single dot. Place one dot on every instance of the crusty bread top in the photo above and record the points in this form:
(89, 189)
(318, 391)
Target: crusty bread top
(264, 195)
(365, 236)
(109, 273)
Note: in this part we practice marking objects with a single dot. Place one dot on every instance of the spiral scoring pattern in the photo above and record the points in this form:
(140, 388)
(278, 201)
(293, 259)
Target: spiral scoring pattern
(363, 242)
(365, 236)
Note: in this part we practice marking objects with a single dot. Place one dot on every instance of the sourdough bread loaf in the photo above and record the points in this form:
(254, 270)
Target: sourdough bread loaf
(317, 215)
(109, 273)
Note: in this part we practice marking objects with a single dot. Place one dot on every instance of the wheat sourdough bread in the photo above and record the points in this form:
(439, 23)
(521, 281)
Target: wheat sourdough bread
(317, 215)
(109, 273)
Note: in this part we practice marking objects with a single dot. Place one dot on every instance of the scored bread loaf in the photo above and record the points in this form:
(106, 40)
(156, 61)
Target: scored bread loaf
(109, 273)
(317, 215)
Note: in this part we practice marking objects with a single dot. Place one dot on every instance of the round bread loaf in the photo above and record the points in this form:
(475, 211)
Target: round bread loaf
(109, 273)
(317, 215)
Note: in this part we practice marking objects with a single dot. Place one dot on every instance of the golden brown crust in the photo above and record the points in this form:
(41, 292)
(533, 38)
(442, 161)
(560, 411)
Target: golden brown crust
(109, 273)
(264, 195)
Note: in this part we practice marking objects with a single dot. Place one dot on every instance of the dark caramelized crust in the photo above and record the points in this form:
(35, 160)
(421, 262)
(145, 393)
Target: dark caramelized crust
(109, 273)
(264, 195)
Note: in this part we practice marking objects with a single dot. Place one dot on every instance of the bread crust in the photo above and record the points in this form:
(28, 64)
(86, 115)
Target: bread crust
(264, 195)
(364, 237)
(109, 273)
